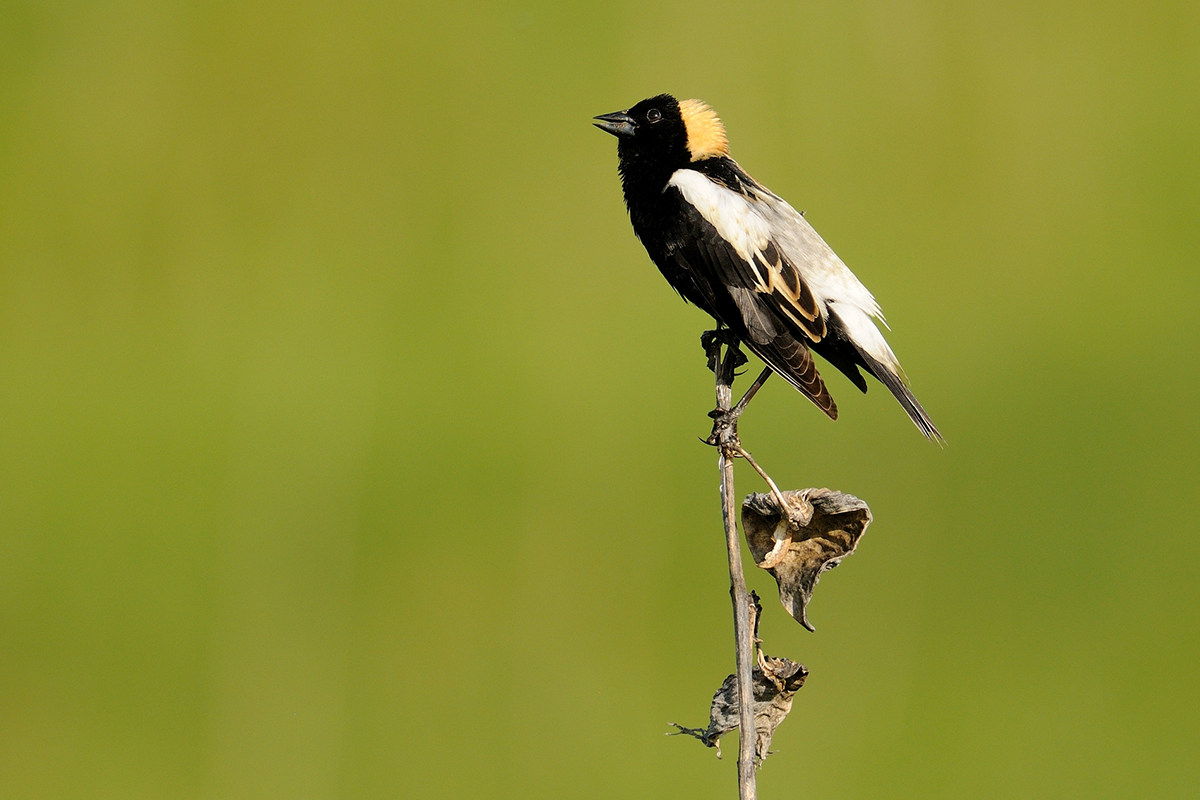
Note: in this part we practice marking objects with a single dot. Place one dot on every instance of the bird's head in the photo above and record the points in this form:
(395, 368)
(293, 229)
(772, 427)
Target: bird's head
(667, 131)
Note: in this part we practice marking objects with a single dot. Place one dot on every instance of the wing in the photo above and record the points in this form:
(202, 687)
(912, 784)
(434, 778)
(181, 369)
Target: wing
(753, 288)
(784, 280)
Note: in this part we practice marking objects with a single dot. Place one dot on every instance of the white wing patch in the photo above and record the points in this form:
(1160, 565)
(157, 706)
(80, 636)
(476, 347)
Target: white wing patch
(731, 214)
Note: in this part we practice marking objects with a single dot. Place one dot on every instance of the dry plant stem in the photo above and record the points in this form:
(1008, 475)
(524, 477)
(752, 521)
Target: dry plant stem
(781, 545)
(787, 524)
(774, 489)
(743, 627)
(737, 412)
(753, 390)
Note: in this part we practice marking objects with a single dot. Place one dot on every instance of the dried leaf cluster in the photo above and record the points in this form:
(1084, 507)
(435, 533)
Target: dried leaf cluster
(817, 530)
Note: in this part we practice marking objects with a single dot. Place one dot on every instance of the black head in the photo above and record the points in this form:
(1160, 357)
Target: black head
(667, 133)
(652, 130)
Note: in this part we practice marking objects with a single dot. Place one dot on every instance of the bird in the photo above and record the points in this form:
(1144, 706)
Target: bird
(739, 252)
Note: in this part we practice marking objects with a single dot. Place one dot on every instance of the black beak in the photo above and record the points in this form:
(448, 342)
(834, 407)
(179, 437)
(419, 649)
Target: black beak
(618, 123)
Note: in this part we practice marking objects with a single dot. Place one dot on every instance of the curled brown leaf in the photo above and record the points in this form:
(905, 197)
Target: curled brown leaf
(797, 555)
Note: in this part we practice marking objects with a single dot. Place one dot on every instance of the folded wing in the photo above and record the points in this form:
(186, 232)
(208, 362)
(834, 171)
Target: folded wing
(753, 288)
(787, 290)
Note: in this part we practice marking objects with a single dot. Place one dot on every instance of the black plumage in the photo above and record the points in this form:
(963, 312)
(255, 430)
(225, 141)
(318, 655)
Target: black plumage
(743, 255)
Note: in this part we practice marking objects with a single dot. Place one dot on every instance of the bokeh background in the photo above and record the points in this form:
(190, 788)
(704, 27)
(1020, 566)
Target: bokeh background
(349, 439)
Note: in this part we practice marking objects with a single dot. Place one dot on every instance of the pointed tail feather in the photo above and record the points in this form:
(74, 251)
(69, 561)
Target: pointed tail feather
(895, 384)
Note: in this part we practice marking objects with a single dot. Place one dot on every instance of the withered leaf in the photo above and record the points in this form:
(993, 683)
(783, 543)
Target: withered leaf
(830, 524)
(776, 681)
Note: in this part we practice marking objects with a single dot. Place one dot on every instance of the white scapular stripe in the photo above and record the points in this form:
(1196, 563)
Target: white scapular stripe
(730, 213)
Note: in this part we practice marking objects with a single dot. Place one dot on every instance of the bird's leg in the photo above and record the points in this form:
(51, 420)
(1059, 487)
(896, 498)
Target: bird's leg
(749, 395)
(712, 340)
(724, 432)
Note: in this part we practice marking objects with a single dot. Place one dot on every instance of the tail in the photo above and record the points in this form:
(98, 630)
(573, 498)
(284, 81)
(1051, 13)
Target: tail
(855, 326)
(894, 381)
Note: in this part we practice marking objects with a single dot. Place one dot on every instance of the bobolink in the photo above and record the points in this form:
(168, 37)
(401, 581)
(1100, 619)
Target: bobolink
(741, 253)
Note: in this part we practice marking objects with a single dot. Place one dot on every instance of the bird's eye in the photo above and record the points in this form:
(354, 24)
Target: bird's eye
(653, 115)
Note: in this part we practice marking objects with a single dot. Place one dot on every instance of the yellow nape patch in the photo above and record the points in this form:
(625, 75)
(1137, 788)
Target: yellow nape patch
(705, 133)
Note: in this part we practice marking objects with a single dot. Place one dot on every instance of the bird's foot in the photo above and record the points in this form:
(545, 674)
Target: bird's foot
(712, 341)
(724, 431)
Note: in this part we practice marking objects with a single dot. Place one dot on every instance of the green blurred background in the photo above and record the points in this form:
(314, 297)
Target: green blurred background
(350, 438)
